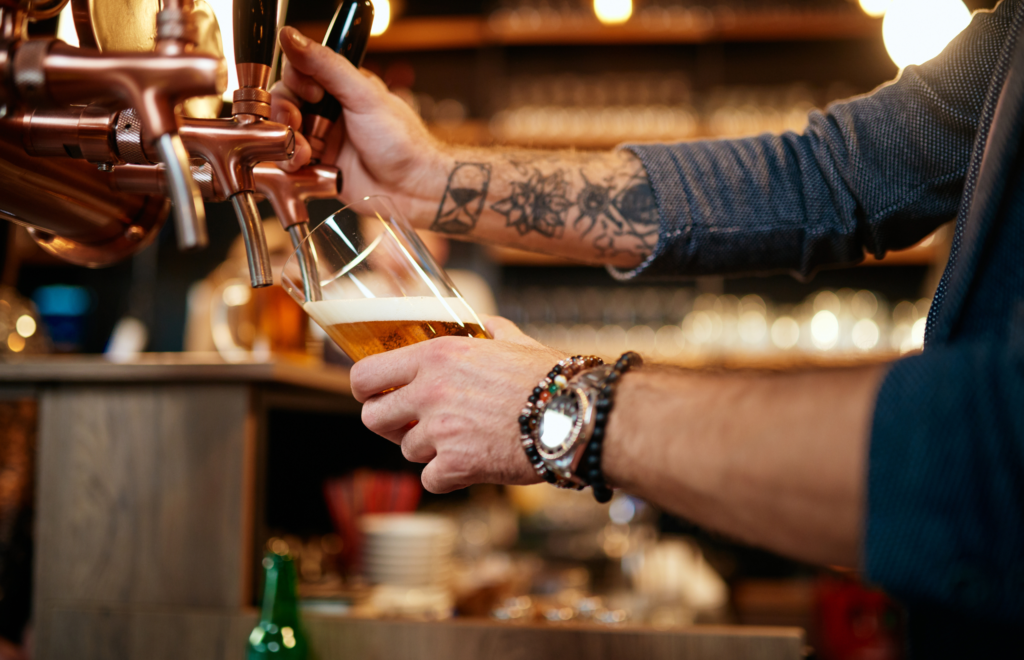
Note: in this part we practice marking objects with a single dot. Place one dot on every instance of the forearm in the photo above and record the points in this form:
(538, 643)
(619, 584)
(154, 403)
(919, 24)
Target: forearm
(589, 206)
(774, 460)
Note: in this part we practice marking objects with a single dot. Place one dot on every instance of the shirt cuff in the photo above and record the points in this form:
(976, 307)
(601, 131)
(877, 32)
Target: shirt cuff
(671, 251)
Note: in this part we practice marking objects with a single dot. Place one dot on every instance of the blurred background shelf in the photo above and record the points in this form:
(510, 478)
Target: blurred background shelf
(932, 248)
(548, 28)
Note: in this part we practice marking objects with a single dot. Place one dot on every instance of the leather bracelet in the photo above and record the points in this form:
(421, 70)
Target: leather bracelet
(529, 417)
(589, 470)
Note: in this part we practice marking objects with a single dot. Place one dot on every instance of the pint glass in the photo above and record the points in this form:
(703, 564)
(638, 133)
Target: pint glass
(367, 279)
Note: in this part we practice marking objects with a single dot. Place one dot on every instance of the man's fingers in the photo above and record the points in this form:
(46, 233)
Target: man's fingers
(302, 85)
(387, 413)
(417, 448)
(303, 152)
(332, 71)
(284, 110)
(439, 478)
(384, 371)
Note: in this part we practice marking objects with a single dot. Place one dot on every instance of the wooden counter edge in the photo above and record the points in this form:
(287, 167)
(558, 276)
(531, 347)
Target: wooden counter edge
(172, 367)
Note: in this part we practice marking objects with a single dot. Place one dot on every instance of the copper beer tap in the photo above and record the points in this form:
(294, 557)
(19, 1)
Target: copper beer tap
(232, 147)
(47, 72)
(287, 192)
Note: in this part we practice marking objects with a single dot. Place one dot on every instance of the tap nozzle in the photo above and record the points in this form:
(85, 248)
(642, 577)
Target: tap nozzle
(256, 251)
(307, 261)
(186, 198)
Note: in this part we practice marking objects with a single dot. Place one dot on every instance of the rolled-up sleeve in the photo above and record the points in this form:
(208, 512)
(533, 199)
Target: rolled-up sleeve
(874, 173)
(945, 518)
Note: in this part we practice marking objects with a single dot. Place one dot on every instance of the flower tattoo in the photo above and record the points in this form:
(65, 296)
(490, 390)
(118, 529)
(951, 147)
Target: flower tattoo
(538, 204)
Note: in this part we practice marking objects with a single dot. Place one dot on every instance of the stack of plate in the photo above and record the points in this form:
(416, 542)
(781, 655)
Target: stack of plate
(413, 550)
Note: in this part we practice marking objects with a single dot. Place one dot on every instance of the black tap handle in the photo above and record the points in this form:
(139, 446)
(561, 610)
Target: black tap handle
(348, 35)
(255, 27)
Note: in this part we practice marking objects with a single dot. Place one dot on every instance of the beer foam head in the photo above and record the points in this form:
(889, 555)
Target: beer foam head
(365, 310)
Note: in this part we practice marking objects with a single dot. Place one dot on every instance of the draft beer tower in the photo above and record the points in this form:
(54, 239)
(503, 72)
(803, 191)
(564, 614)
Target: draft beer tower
(92, 149)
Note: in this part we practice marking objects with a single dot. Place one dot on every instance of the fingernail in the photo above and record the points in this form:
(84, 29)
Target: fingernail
(280, 116)
(300, 40)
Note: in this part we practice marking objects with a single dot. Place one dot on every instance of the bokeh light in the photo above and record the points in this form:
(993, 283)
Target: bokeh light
(915, 31)
(785, 332)
(875, 8)
(611, 12)
(381, 17)
(223, 10)
(25, 325)
(917, 332)
(236, 295)
(752, 326)
(865, 334)
(66, 31)
(15, 342)
(825, 329)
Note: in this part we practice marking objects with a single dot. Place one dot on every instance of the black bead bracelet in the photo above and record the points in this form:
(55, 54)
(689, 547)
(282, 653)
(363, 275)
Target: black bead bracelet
(589, 469)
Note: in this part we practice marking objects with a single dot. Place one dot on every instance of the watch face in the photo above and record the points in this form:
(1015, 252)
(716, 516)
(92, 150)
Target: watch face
(559, 421)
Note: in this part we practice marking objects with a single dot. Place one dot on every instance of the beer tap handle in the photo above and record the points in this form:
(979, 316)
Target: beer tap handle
(255, 31)
(348, 35)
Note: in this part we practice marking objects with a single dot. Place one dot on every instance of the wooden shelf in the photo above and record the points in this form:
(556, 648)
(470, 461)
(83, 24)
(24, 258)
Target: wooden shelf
(470, 32)
(477, 133)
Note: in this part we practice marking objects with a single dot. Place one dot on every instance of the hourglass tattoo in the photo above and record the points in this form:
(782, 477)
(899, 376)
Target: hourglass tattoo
(463, 199)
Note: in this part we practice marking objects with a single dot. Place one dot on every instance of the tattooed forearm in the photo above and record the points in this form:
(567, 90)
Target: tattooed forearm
(463, 198)
(598, 206)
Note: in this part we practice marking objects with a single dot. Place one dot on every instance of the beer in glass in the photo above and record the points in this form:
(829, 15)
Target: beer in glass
(367, 279)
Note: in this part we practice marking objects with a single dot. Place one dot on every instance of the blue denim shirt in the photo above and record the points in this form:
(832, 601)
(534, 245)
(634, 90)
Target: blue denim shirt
(945, 511)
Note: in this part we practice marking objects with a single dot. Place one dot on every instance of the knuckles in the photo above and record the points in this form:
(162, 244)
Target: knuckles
(443, 350)
(445, 426)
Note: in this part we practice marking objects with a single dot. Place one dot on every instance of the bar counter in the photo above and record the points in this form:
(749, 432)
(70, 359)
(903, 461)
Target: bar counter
(149, 510)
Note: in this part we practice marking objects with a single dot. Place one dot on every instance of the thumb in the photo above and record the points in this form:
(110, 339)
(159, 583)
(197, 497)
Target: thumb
(339, 77)
(504, 330)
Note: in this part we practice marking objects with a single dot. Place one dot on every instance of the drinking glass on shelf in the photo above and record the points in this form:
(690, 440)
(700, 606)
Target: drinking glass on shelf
(367, 279)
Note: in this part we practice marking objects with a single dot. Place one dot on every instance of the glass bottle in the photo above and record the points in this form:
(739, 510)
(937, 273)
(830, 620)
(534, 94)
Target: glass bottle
(279, 633)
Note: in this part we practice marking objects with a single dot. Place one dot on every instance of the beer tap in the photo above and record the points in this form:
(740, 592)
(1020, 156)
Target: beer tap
(48, 72)
(347, 35)
(232, 148)
(287, 192)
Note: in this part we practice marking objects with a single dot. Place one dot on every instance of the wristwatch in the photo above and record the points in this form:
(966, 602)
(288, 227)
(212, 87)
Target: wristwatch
(567, 425)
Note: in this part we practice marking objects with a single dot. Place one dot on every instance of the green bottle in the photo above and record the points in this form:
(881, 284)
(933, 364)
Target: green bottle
(279, 633)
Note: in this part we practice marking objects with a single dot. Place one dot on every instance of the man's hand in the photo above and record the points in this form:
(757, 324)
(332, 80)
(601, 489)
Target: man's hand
(455, 402)
(380, 145)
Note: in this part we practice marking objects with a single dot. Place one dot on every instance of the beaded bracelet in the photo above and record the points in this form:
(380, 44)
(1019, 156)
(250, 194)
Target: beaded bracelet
(590, 464)
(529, 418)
